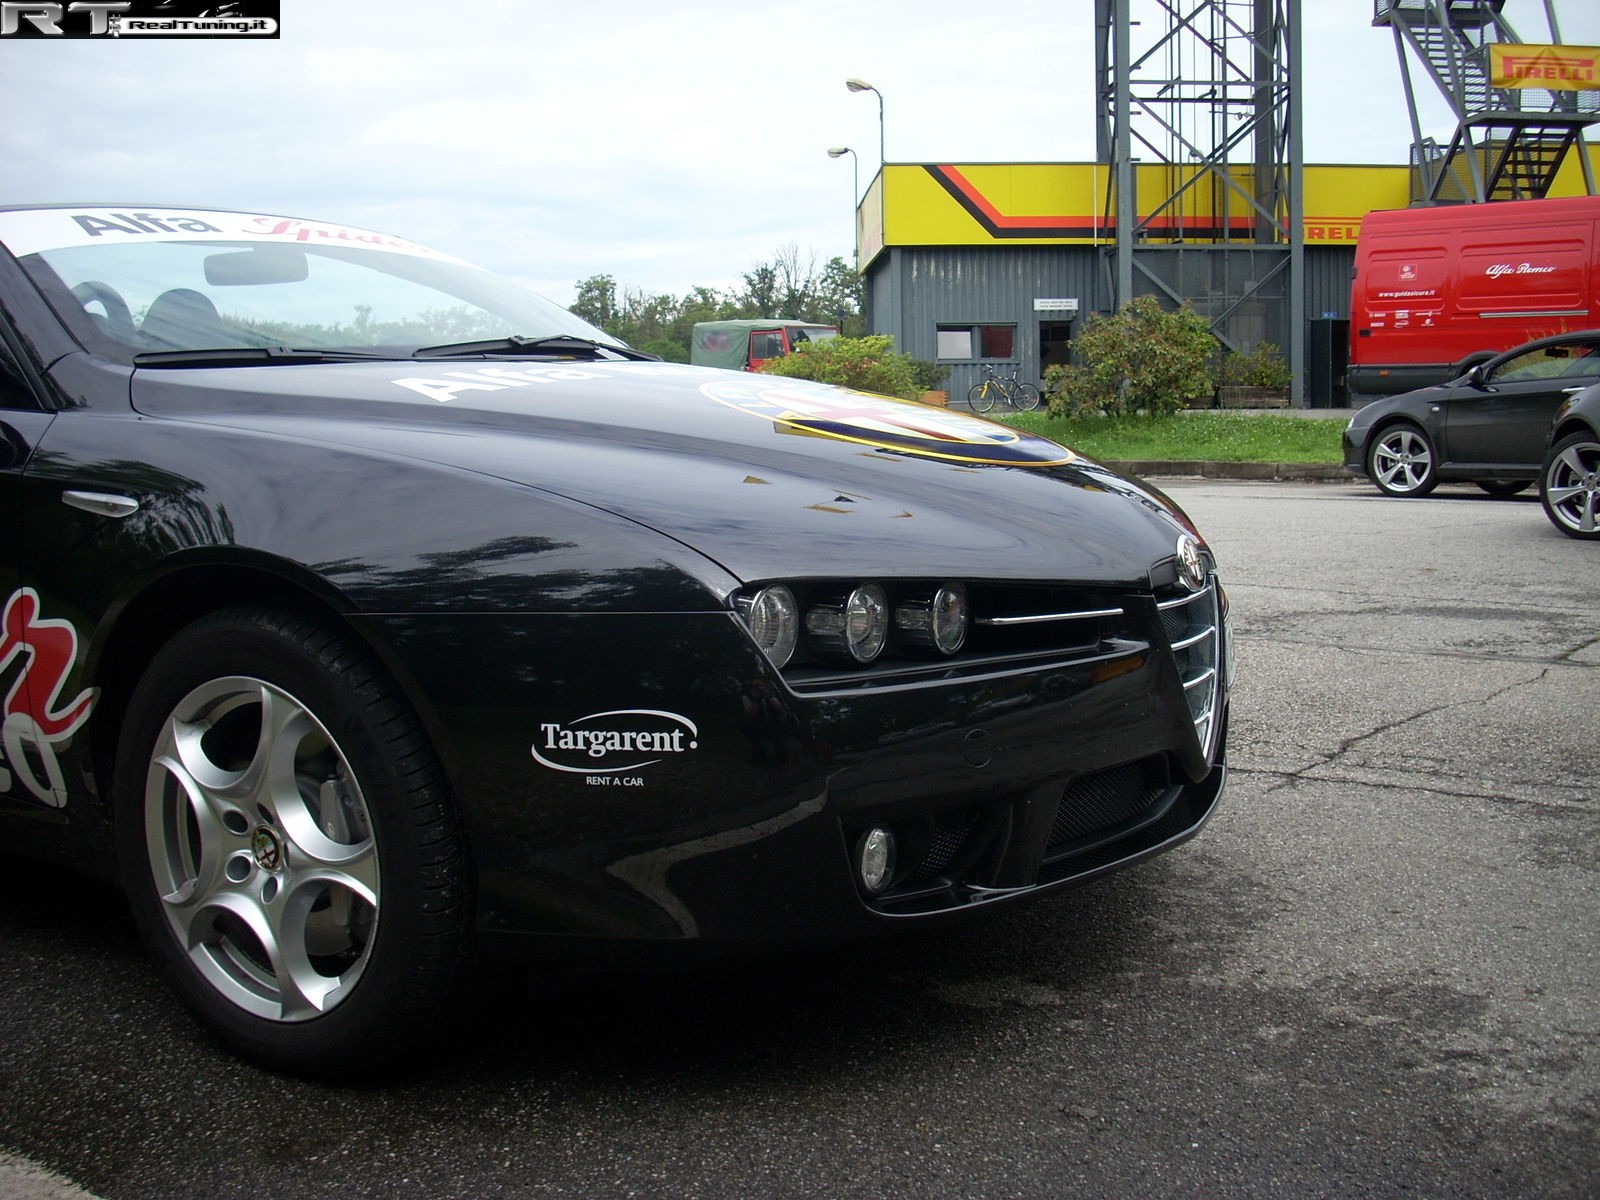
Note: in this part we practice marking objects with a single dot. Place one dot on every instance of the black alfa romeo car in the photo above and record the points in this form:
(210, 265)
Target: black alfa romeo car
(364, 612)
(1489, 427)
(1569, 482)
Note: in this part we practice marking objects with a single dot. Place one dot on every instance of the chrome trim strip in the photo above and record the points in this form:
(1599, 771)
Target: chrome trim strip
(1041, 618)
(1166, 605)
(1536, 312)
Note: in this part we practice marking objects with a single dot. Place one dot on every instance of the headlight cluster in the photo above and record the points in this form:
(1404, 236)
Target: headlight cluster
(853, 623)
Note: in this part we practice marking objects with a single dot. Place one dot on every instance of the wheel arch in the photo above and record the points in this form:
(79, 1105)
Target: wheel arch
(1389, 420)
(1571, 426)
(142, 623)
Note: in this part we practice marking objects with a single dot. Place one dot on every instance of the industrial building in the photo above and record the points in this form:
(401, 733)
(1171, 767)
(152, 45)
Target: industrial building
(975, 264)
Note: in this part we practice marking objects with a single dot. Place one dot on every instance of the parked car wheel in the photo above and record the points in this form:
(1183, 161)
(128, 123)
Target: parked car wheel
(291, 857)
(1569, 486)
(1401, 462)
(1505, 487)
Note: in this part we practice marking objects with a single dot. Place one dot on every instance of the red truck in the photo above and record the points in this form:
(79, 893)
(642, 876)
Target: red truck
(745, 345)
(1437, 289)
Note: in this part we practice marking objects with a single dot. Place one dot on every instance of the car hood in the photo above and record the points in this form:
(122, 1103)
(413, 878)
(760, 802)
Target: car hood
(772, 478)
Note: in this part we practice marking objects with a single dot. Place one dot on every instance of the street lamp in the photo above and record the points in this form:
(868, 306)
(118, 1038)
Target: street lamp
(861, 85)
(855, 190)
(855, 169)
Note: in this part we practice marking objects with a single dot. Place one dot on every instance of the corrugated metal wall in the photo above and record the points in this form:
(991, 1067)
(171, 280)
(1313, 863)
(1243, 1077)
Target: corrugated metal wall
(1327, 280)
(922, 288)
(912, 291)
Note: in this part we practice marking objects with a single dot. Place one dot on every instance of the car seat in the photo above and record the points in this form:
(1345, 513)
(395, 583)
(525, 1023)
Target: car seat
(184, 319)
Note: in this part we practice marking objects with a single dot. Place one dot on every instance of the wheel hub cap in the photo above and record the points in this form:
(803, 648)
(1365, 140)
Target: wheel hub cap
(267, 848)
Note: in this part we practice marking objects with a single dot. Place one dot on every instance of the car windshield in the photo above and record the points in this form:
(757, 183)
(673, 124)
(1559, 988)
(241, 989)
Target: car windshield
(130, 283)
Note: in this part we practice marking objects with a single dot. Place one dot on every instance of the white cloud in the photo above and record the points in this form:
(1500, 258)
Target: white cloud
(666, 145)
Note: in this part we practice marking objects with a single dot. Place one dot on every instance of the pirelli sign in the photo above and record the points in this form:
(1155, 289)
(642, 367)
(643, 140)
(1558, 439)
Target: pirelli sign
(1558, 68)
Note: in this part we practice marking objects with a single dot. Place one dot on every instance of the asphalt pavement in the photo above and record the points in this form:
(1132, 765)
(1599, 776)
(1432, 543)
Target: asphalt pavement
(1373, 974)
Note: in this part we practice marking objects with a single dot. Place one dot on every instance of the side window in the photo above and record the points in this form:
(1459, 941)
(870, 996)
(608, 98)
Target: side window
(1549, 362)
(1586, 362)
(14, 390)
(766, 345)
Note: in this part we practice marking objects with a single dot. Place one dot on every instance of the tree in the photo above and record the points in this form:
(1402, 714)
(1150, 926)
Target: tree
(761, 292)
(841, 298)
(789, 286)
(596, 302)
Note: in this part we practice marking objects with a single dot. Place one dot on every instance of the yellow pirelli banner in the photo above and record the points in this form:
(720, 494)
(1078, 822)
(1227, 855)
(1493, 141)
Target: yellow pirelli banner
(1558, 68)
(976, 204)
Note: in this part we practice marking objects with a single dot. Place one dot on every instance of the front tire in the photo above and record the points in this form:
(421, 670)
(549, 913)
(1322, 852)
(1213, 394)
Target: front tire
(1569, 486)
(980, 398)
(1401, 462)
(291, 855)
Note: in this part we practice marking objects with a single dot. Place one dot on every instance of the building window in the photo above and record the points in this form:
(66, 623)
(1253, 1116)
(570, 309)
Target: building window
(969, 342)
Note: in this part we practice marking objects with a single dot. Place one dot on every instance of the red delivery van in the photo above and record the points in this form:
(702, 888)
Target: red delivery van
(1437, 288)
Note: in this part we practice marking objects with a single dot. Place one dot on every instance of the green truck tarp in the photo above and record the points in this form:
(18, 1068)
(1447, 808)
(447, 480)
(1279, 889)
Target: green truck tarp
(727, 343)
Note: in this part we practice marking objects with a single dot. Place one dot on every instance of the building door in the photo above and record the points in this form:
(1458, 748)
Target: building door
(1055, 347)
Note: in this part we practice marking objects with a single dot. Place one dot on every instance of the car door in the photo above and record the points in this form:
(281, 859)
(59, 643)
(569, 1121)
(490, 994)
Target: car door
(37, 653)
(1502, 420)
(765, 344)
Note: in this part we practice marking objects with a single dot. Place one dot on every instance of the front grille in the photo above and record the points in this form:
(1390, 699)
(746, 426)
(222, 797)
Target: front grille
(1097, 801)
(1107, 804)
(949, 837)
(1193, 626)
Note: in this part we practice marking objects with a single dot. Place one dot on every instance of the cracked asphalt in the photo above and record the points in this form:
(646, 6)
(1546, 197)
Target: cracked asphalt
(1374, 974)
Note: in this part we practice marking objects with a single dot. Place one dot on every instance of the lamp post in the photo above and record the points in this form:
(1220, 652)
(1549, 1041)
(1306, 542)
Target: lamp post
(861, 85)
(855, 191)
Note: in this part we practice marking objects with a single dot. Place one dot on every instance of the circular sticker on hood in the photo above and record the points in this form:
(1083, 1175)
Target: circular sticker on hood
(808, 409)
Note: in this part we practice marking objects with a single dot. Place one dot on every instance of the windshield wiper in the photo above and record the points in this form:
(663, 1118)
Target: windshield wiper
(242, 356)
(560, 345)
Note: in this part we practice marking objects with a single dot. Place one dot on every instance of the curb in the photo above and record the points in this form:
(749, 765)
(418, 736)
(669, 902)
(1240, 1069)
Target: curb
(1260, 471)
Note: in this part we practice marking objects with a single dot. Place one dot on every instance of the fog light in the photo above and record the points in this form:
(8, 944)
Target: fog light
(934, 620)
(774, 621)
(875, 859)
(856, 625)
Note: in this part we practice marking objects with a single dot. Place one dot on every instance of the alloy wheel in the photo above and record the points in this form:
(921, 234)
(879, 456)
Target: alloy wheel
(261, 848)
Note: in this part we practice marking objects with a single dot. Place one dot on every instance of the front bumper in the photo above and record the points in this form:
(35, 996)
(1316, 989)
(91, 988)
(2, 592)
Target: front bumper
(999, 780)
(1354, 442)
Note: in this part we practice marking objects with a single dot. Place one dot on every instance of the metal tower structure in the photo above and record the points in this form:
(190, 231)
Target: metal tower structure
(1509, 141)
(1197, 107)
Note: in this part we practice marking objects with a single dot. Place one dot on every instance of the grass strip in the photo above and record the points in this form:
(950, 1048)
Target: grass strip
(1192, 436)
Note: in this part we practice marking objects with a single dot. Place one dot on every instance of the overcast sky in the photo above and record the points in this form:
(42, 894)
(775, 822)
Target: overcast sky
(667, 144)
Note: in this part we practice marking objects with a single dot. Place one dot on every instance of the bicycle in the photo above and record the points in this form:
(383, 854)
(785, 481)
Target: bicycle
(1023, 397)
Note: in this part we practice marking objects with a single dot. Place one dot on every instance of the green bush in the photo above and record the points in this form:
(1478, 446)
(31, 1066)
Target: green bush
(867, 364)
(1142, 359)
(1263, 367)
(929, 376)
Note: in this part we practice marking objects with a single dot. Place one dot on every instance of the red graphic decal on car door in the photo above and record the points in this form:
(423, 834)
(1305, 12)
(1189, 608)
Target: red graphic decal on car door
(34, 712)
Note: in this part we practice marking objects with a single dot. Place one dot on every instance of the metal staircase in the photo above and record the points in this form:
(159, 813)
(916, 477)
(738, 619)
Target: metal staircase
(1509, 142)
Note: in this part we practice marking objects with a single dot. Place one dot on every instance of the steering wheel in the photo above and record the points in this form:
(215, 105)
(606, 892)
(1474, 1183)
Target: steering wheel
(118, 321)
